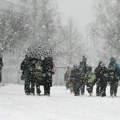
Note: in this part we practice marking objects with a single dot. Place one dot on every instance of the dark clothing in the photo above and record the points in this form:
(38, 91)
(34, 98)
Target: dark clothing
(67, 84)
(90, 88)
(28, 67)
(47, 74)
(83, 68)
(75, 79)
(27, 87)
(98, 87)
(83, 78)
(1, 62)
(83, 88)
(37, 72)
(38, 83)
(46, 88)
(75, 75)
(113, 77)
(25, 75)
(31, 76)
(0, 75)
(97, 81)
(102, 78)
(76, 87)
(25, 69)
(1, 65)
(113, 88)
(38, 76)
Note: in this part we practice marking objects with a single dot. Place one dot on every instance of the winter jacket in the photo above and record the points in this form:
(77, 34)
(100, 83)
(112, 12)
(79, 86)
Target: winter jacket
(75, 75)
(67, 75)
(48, 70)
(1, 63)
(48, 65)
(24, 65)
(101, 74)
(83, 67)
(113, 72)
(97, 72)
(25, 69)
(91, 78)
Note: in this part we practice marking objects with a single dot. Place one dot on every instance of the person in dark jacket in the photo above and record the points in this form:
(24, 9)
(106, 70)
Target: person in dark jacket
(25, 75)
(75, 78)
(31, 75)
(83, 69)
(28, 67)
(103, 79)
(48, 66)
(1, 65)
(97, 75)
(114, 71)
(38, 75)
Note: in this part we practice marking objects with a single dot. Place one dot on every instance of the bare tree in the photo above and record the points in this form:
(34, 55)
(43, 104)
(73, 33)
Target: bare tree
(43, 20)
(13, 29)
(106, 27)
(70, 46)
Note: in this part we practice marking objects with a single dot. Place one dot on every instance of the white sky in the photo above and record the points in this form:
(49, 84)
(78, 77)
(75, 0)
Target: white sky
(81, 11)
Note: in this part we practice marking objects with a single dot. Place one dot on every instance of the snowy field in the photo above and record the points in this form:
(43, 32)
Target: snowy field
(61, 105)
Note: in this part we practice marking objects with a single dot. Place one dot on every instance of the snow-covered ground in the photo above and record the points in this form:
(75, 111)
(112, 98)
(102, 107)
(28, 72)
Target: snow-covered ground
(61, 105)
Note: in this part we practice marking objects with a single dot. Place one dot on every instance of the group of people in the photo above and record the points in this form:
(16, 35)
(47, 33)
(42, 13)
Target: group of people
(82, 75)
(37, 72)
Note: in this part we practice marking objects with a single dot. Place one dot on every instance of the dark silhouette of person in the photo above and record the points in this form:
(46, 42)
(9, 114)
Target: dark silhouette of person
(1, 65)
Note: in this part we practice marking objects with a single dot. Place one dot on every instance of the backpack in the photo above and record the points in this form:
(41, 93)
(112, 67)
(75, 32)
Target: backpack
(114, 69)
(91, 77)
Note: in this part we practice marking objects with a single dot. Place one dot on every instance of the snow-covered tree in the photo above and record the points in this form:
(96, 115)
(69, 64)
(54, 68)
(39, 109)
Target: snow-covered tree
(43, 20)
(73, 39)
(13, 29)
(105, 30)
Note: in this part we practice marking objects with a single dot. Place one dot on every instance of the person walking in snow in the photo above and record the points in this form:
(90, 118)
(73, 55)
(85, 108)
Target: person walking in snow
(90, 80)
(28, 67)
(67, 77)
(83, 69)
(1, 65)
(38, 75)
(25, 75)
(103, 79)
(114, 71)
(75, 79)
(98, 82)
(48, 67)
(32, 75)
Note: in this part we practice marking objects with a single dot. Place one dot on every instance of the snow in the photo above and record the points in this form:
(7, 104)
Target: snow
(61, 105)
